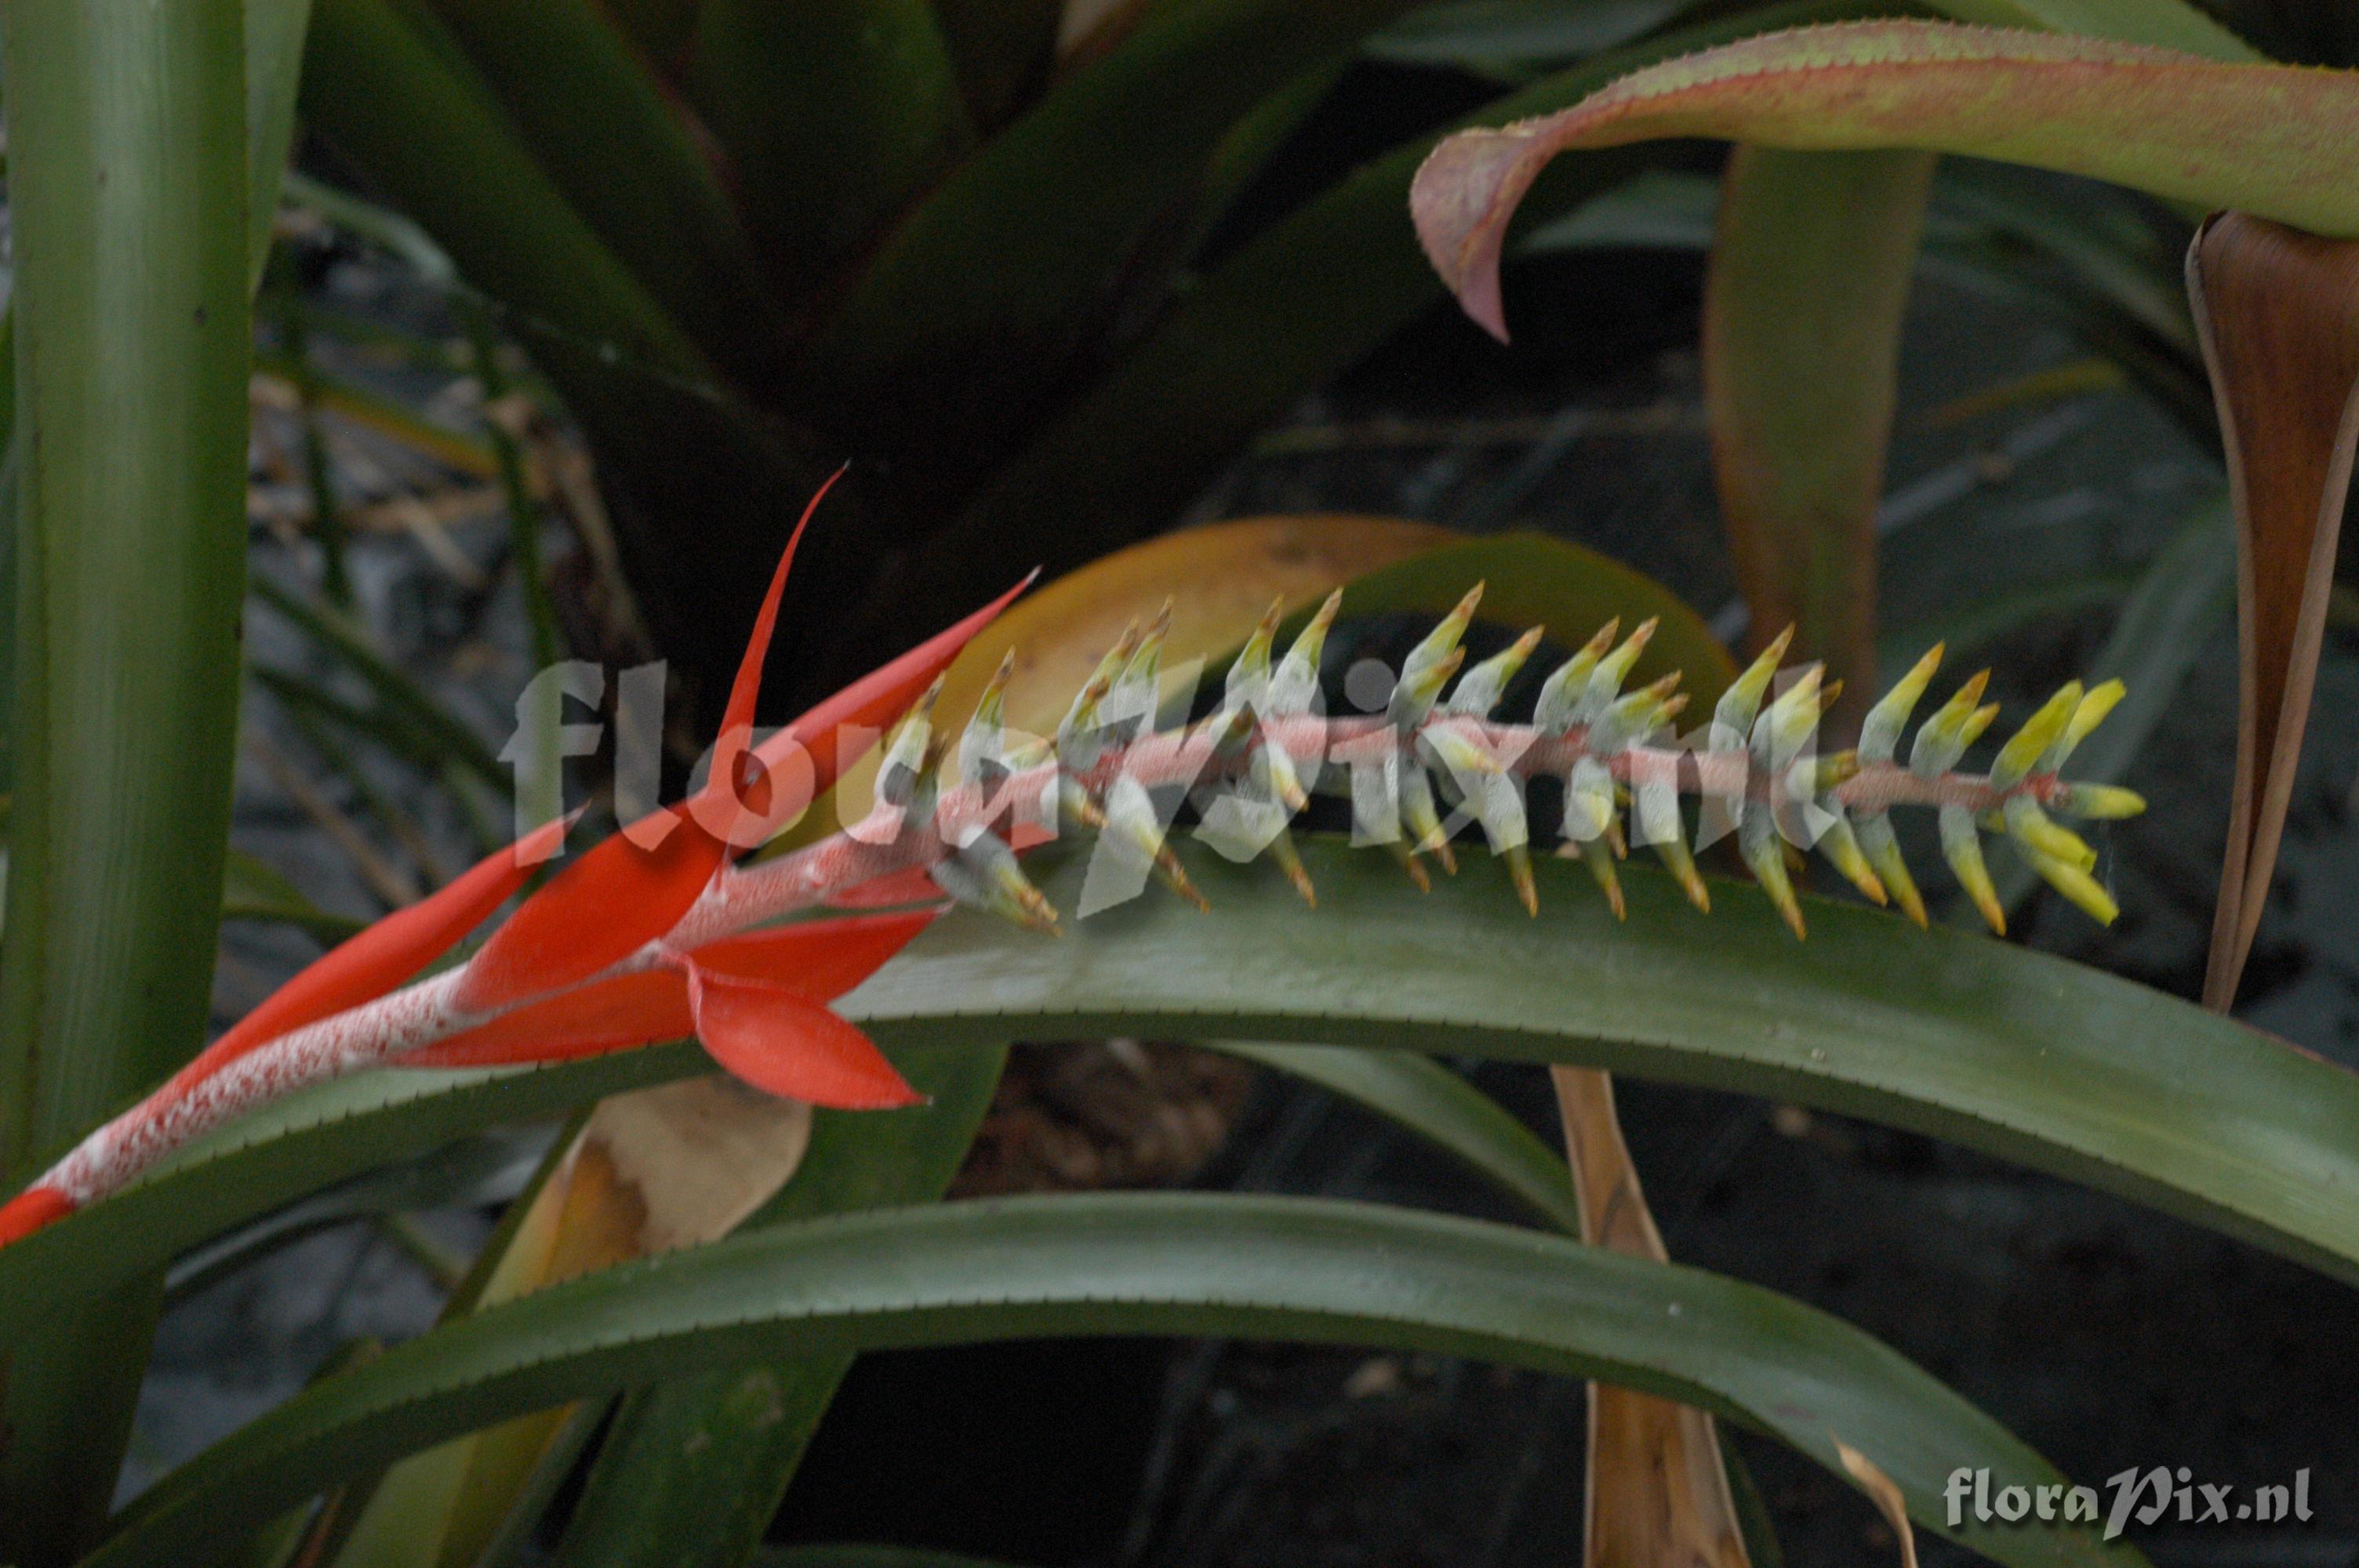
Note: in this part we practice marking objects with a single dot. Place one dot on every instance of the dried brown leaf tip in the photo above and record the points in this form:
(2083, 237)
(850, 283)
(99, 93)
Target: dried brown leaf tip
(1439, 762)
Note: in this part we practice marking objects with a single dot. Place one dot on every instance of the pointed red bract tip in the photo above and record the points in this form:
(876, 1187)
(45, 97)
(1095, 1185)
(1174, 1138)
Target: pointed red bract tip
(816, 959)
(871, 702)
(620, 896)
(29, 1211)
(789, 1046)
(737, 720)
(374, 961)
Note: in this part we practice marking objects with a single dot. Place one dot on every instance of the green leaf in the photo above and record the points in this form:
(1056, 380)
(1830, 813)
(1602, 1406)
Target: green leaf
(274, 60)
(1511, 40)
(2169, 24)
(694, 1467)
(2014, 1052)
(1801, 348)
(389, 88)
(2165, 625)
(2256, 137)
(1186, 1264)
(588, 108)
(1425, 1098)
(834, 113)
(983, 296)
(254, 890)
(127, 151)
(1301, 301)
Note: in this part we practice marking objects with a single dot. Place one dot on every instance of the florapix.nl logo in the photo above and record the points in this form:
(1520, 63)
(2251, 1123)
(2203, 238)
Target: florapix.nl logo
(2145, 1497)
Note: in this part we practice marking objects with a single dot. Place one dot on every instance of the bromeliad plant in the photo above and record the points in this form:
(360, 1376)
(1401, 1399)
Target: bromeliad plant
(1998, 1048)
(654, 935)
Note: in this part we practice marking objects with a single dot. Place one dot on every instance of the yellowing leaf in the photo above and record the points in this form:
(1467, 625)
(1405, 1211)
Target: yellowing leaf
(1221, 577)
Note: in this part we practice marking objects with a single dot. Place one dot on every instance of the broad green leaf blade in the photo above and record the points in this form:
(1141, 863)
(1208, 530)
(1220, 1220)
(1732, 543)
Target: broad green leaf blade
(978, 302)
(254, 890)
(692, 1471)
(1803, 301)
(391, 90)
(1425, 1098)
(2014, 1053)
(2171, 23)
(587, 106)
(274, 62)
(1184, 1264)
(1301, 301)
(1513, 39)
(2262, 138)
(836, 113)
(126, 131)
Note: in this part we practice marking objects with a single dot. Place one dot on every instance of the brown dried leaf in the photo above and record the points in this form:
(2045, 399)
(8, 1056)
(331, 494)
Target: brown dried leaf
(1657, 1490)
(652, 1171)
(2277, 311)
(1884, 1495)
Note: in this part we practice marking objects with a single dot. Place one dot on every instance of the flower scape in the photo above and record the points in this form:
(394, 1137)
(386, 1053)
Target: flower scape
(656, 934)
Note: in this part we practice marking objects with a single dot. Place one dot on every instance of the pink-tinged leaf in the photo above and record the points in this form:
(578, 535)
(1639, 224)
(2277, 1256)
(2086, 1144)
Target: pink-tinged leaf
(818, 959)
(31, 1210)
(2278, 315)
(2271, 139)
(372, 962)
(912, 886)
(608, 1015)
(790, 1047)
(622, 896)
